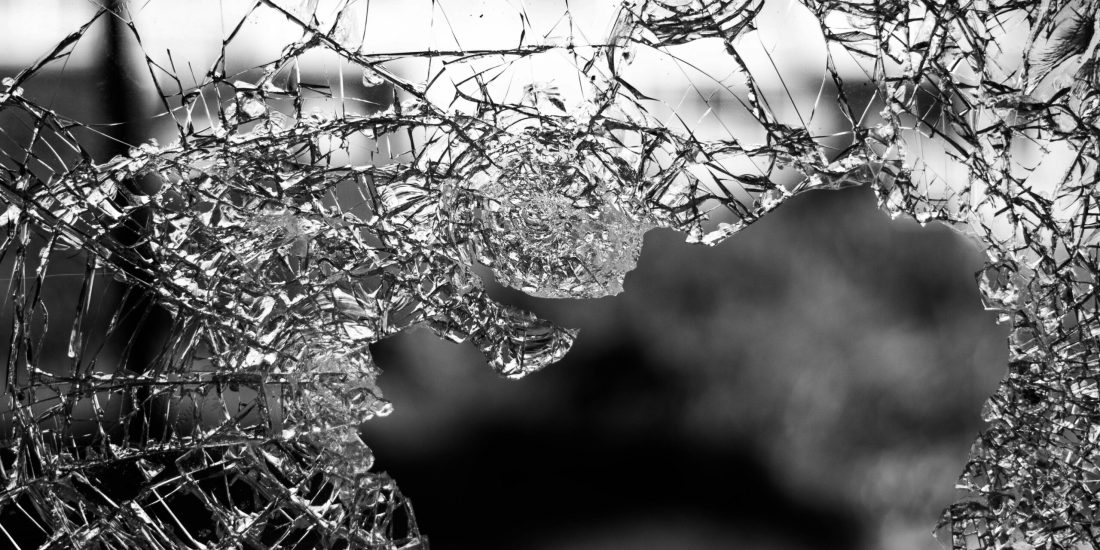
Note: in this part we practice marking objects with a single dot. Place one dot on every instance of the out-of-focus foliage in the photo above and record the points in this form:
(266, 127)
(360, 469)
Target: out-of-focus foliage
(543, 152)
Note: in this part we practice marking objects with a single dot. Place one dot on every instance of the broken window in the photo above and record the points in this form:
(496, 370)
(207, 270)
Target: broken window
(318, 175)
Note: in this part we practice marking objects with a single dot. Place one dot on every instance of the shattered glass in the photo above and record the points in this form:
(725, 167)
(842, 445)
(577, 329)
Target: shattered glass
(360, 177)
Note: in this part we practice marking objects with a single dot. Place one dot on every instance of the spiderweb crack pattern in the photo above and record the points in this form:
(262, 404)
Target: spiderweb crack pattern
(281, 256)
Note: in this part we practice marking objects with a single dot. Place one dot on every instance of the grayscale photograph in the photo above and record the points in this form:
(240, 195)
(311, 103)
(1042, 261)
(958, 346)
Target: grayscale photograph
(550, 274)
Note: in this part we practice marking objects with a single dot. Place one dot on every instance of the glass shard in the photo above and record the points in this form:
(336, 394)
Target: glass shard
(333, 173)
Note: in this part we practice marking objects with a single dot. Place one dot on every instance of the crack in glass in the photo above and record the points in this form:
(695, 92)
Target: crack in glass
(342, 190)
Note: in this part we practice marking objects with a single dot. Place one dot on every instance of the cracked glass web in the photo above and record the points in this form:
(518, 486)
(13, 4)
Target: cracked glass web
(346, 181)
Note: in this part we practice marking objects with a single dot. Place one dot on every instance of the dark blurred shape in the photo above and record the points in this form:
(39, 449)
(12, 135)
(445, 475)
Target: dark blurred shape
(814, 383)
(524, 484)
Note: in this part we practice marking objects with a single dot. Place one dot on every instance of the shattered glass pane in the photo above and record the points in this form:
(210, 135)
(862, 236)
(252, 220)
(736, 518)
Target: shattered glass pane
(323, 174)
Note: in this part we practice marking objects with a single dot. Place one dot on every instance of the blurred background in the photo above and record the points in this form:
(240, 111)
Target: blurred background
(813, 383)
